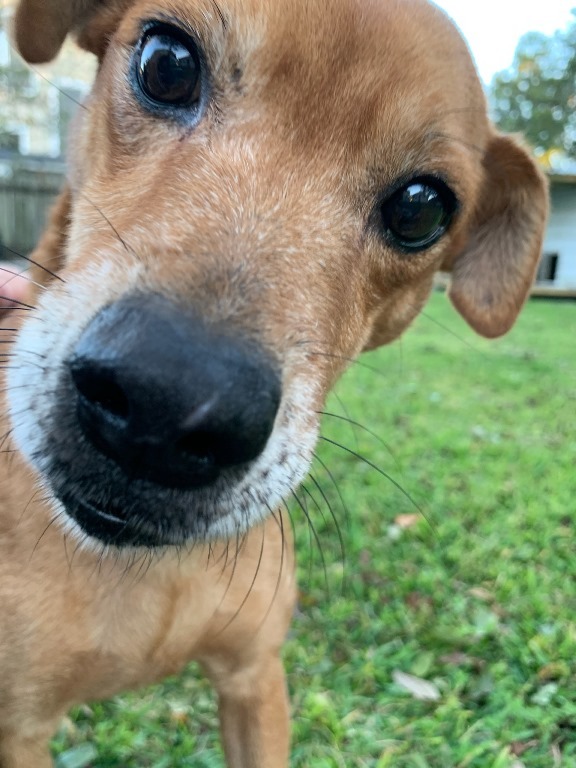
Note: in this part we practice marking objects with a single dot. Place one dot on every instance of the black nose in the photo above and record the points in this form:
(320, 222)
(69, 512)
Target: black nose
(169, 399)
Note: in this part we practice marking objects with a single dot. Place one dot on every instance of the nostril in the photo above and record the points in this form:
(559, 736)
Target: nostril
(101, 391)
(196, 446)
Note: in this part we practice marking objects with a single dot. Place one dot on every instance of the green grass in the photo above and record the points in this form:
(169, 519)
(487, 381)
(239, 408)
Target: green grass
(477, 594)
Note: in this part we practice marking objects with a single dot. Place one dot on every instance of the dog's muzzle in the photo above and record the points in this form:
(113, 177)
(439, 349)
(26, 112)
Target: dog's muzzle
(165, 402)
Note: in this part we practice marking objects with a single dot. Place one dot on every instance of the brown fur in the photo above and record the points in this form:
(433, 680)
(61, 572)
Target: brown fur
(262, 219)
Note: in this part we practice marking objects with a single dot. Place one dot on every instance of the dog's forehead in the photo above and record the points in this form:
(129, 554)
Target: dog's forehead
(343, 47)
(363, 72)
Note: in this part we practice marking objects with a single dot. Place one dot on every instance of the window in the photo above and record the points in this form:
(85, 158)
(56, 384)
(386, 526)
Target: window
(547, 268)
(10, 140)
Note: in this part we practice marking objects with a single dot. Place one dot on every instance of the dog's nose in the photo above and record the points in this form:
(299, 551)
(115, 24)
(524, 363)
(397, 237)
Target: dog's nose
(169, 399)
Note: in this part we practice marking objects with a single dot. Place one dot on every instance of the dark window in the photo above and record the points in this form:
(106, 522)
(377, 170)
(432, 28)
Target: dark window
(9, 141)
(548, 268)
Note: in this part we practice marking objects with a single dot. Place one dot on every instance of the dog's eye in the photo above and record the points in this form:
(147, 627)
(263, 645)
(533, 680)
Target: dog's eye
(417, 214)
(168, 68)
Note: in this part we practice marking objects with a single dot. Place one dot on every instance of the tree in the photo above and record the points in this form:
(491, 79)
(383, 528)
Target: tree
(537, 95)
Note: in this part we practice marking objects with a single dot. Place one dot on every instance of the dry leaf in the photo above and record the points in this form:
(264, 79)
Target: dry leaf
(481, 594)
(423, 690)
(458, 659)
(407, 521)
(519, 747)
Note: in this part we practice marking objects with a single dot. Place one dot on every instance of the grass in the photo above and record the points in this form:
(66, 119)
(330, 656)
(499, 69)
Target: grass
(465, 579)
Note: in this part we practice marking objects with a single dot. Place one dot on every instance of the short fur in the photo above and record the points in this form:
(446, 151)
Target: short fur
(262, 219)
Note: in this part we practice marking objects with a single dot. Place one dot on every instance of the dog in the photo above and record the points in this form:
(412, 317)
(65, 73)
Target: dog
(257, 192)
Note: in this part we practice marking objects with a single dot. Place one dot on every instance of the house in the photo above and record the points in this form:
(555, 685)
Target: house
(37, 104)
(557, 271)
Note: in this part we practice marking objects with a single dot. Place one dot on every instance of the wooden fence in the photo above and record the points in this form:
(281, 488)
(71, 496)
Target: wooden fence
(28, 187)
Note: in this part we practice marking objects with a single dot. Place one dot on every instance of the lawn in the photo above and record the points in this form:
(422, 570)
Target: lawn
(458, 570)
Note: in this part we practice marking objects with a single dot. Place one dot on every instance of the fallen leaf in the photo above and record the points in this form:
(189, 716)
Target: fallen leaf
(519, 747)
(481, 594)
(553, 671)
(423, 690)
(416, 601)
(458, 659)
(78, 757)
(544, 695)
(407, 521)
(179, 714)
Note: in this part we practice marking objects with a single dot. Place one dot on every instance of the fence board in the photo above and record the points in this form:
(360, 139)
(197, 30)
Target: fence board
(27, 191)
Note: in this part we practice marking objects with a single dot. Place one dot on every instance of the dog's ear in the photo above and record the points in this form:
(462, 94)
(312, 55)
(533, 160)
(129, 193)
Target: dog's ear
(492, 276)
(41, 26)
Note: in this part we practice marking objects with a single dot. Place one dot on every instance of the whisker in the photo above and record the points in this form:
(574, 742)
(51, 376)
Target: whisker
(61, 91)
(319, 508)
(445, 328)
(35, 263)
(326, 468)
(312, 528)
(112, 227)
(227, 554)
(310, 542)
(334, 519)
(364, 429)
(16, 367)
(4, 439)
(22, 274)
(210, 554)
(229, 584)
(20, 304)
(380, 471)
(27, 506)
(250, 588)
(65, 545)
(280, 524)
(290, 517)
(147, 560)
(347, 415)
(351, 360)
(44, 532)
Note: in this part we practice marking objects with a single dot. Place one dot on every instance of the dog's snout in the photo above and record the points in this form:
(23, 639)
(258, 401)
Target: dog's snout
(169, 399)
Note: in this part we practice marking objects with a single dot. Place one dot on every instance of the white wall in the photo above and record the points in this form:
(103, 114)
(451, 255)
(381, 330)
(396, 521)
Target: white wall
(561, 234)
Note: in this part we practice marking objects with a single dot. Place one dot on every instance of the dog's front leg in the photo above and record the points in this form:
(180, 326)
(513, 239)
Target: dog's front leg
(254, 716)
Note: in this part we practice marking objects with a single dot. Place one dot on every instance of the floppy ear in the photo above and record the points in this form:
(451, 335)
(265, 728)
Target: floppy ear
(41, 26)
(492, 276)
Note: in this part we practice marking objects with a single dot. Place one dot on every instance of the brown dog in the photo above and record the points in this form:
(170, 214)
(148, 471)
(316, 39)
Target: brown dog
(258, 191)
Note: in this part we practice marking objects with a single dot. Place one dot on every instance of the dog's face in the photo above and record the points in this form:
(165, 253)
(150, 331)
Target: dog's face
(259, 191)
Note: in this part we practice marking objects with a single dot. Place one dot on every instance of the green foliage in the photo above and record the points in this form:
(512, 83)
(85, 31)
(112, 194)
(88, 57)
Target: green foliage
(474, 591)
(537, 96)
